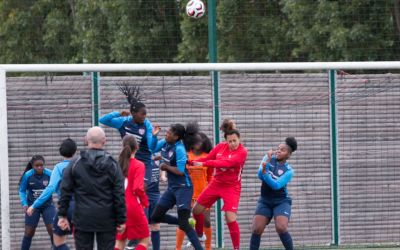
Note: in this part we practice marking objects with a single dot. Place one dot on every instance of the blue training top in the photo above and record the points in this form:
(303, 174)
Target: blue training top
(32, 186)
(147, 142)
(275, 179)
(175, 156)
(142, 132)
(54, 184)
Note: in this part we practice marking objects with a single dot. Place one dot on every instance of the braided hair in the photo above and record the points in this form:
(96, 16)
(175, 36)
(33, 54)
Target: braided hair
(133, 95)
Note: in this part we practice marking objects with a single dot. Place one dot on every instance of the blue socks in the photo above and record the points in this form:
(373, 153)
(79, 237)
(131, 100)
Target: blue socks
(61, 247)
(155, 240)
(255, 241)
(192, 235)
(286, 240)
(26, 243)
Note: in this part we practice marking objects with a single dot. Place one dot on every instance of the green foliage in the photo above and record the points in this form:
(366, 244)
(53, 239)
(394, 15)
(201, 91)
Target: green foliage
(157, 31)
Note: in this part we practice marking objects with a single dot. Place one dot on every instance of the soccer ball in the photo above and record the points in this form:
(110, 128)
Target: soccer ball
(195, 8)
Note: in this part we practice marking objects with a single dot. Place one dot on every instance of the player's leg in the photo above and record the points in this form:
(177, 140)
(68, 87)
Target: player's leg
(31, 223)
(231, 197)
(282, 214)
(207, 229)
(183, 198)
(143, 244)
(206, 199)
(262, 217)
(166, 202)
(48, 214)
(59, 235)
(154, 227)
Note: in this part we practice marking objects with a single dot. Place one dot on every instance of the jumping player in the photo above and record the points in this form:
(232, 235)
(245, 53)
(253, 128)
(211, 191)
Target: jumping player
(135, 196)
(31, 185)
(198, 146)
(275, 173)
(135, 123)
(180, 188)
(67, 150)
(228, 159)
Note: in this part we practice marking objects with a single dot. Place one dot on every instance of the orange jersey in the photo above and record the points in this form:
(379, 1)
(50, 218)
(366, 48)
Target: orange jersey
(200, 175)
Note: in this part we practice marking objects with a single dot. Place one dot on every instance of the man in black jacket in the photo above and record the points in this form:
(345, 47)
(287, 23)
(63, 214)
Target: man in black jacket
(96, 183)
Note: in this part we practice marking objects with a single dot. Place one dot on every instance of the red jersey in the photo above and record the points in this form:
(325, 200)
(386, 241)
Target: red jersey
(228, 163)
(135, 196)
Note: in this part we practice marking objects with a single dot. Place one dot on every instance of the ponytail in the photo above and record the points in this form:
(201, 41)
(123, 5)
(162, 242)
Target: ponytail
(229, 128)
(133, 95)
(129, 146)
(178, 130)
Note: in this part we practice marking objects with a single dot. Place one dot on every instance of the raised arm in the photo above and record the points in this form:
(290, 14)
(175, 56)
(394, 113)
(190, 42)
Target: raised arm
(280, 182)
(113, 119)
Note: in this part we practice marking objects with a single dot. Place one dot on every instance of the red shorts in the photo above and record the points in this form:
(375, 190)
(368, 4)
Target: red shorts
(229, 194)
(134, 233)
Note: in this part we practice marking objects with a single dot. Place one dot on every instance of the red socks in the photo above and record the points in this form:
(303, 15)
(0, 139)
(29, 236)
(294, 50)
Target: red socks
(140, 247)
(199, 224)
(235, 234)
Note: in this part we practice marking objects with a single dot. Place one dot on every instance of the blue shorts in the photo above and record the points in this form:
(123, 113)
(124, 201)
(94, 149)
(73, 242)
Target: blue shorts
(179, 196)
(273, 208)
(56, 229)
(48, 212)
(152, 205)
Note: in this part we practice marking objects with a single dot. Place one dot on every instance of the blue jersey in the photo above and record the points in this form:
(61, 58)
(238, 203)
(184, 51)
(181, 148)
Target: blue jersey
(142, 132)
(175, 156)
(54, 184)
(275, 179)
(32, 186)
(151, 179)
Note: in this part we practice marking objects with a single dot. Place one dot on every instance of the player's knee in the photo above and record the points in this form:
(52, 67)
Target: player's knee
(184, 225)
(156, 217)
(183, 220)
(154, 227)
(257, 229)
(280, 227)
(29, 232)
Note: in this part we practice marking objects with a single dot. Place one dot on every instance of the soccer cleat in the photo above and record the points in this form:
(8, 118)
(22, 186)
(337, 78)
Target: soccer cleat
(202, 239)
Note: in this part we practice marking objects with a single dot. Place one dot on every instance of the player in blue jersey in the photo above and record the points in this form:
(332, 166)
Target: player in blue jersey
(180, 189)
(136, 124)
(67, 151)
(275, 173)
(31, 185)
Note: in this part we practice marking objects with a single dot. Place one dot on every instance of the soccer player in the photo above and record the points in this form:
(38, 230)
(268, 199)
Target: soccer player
(135, 123)
(180, 188)
(198, 146)
(67, 150)
(31, 185)
(135, 196)
(228, 159)
(275, 173)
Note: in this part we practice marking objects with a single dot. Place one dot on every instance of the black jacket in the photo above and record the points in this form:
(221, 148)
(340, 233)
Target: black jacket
(96, 181)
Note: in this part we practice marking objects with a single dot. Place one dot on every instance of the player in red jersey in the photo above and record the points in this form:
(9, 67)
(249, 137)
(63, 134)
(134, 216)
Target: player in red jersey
(228, 159)
(135, 197)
